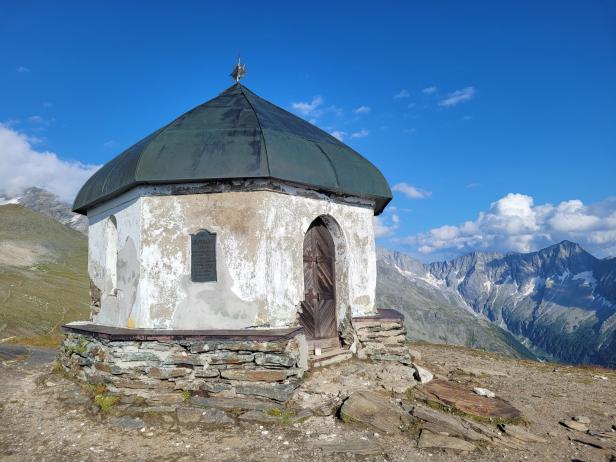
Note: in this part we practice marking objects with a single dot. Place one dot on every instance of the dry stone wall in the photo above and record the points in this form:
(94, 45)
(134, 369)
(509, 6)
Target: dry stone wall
(382, 339)
(265, 372)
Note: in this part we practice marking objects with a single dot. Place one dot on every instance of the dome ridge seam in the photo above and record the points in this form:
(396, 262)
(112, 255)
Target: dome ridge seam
(269, 173)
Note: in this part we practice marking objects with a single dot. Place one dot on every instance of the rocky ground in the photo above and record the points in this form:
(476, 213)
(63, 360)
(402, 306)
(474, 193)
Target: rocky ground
(358, 411)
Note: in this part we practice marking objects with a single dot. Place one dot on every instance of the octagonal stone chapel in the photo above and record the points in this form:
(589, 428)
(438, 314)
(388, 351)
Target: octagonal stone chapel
(237, 228)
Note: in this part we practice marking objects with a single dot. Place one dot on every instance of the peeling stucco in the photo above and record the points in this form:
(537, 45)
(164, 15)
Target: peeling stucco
(259, 258)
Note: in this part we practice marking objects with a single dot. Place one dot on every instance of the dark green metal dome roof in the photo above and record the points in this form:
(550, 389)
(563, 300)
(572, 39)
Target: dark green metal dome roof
(238, 135)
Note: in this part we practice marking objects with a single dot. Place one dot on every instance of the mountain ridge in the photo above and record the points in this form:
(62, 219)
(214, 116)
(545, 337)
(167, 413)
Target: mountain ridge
(46, 203)
(559, 301)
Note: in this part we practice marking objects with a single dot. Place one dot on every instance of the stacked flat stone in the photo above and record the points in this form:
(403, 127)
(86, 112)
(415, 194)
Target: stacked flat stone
(244, 370)
(382, 339)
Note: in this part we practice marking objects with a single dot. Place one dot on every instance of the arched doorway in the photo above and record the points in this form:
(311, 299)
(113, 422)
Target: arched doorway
(318, 314)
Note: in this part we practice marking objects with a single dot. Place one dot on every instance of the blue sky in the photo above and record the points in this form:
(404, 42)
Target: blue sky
(500, 115)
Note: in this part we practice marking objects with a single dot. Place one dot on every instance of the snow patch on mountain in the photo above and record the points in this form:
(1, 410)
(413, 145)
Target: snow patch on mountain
(7, 201)
(587, 278)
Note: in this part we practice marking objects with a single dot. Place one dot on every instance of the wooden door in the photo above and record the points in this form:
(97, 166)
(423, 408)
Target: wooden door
(318, 314)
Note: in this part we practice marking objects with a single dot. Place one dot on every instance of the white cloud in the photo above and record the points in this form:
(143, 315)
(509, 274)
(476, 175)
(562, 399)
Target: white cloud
(339, 135)
(362, 110)
(22, 69)
(308, 108)
(458, 96)
(411, 191)
(110, 144)
(515, 223)
(360, 134)
(385, 226)
(473, 185)
(21, 166)
(402, 94)
(315, 108)
(37, 120)
(429, 90)
(409, 131)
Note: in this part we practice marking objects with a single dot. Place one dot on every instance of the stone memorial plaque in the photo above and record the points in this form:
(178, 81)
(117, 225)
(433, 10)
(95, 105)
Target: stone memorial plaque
(203, 256)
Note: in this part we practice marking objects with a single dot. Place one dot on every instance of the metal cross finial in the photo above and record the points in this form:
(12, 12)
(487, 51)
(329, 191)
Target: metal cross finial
(239, 70)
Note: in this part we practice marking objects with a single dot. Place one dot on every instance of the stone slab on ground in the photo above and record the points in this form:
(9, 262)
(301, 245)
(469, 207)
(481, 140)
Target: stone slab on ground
(351, 446)
(430, 440)
(465, 400)
(594, 442)
(521, 434)
(216, 417)
(126, 423)
(277, 391)
(573, 425)
(259, 417)
(374, 410)
(189, 415)
(232, 403)
(438, 421)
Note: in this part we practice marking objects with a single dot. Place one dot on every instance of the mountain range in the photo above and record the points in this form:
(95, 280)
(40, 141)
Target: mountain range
(558, 303)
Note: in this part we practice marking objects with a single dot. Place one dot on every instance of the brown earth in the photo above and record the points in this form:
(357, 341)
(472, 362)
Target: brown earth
(45, 417)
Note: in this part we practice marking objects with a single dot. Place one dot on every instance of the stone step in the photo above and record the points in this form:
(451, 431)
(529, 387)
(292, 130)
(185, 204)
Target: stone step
(333, 360)
(327, 353)
(324, 344)
(328, 357)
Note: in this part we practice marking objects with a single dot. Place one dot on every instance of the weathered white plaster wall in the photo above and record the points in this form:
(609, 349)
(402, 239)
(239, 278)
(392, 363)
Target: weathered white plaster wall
(118, 300)
(259, 250)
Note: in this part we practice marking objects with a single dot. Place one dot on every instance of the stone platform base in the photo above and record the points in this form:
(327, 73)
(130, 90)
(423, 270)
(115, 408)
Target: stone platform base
(250, 369)
(260, 367)
(382, 337)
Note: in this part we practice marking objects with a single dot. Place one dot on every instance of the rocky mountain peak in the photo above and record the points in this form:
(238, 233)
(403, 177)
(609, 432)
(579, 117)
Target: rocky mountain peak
(400, 260)
(42, 201)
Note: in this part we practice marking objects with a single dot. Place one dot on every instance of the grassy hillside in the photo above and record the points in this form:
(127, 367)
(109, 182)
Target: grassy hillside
(43, 276)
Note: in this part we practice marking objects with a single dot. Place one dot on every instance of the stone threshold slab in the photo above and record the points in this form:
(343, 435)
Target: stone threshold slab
(384, 314)
(125, 334)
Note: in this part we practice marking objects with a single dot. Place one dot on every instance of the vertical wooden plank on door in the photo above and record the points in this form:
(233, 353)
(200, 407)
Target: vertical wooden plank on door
(318, 314)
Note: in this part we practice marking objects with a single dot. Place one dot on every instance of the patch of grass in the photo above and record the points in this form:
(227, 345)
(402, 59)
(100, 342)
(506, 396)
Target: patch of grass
(410, 394)
(53, 340)
(95, 390)
(345, 417)
(57, 367)
(80, 348)
(284, 414)
(106, 402)
(186, 396)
